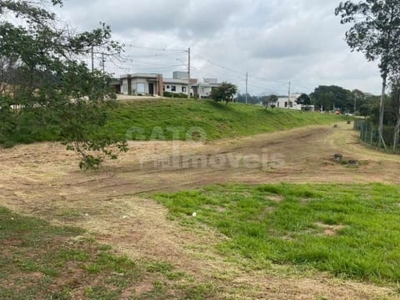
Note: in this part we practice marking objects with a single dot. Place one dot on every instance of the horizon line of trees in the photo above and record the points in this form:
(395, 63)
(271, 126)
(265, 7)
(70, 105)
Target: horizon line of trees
(324, 98)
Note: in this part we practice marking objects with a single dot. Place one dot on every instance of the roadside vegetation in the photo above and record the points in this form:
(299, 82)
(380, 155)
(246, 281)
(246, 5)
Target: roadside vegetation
(138, 120)
(351, 231)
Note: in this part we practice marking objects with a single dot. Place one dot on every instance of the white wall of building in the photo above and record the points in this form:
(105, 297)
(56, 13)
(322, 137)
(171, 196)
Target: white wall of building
(175, 88)
(140, 84)
(124, 86)
(204, 91)
(288, 103)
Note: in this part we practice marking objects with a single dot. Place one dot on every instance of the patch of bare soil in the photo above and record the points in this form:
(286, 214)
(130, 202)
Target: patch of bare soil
(330, 230)
(44, 180)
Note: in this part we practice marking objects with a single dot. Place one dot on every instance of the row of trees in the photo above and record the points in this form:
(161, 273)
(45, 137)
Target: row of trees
(324, 98)
(334, 97)
(45, 83)
(327, 98)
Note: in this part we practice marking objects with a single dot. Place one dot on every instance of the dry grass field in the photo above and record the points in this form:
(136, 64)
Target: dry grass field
(43, 180)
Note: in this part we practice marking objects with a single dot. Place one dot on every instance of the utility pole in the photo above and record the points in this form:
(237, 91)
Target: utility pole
(355, 103)
(92, 54)
(189, 84)
(247, 83)
(103, 62)
(289, 94)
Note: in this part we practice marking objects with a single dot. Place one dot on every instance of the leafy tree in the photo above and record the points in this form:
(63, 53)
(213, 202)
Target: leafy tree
(303, 99)
(270, 101)
(330, 97)
(376, 33)
(50, 85)
(273, 98)
(359, 97)
(261, 99)
(251, 99)
(225, 92)
(367, 105)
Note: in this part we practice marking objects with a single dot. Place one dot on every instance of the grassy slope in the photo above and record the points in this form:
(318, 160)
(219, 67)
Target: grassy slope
(155, 116)
(348, 230)
(216, 119)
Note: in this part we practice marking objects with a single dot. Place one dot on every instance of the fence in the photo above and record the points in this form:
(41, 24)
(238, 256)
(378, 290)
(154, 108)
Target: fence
(369, 134)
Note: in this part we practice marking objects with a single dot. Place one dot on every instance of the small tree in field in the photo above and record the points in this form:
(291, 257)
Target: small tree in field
(52, 87)
(304, 100)
(270, 101)
(225, 92)
(376, 33)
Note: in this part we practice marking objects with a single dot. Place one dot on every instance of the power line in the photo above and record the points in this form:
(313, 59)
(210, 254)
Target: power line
(151, 59)
(156, 49)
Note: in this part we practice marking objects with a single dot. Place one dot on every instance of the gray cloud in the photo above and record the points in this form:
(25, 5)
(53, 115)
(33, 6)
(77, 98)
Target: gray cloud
(187, 18)
(276, 41)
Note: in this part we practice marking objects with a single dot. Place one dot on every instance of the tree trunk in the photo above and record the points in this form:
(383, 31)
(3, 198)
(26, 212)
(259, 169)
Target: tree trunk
(395, 137)
(397, 128)
(381, 113)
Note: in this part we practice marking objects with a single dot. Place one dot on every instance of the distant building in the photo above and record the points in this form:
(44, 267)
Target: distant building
(155, 84)
(177, 86)
(203, 89)
(141, 84)
(180, 75)
(290, 103)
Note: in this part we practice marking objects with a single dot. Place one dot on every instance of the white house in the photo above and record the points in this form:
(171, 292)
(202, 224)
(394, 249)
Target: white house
(141, 84)
(203, 89)
(155, 84)
(290, 103)
(177, 85)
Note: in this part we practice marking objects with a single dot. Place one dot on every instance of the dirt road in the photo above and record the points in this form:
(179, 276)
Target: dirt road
(44, 180)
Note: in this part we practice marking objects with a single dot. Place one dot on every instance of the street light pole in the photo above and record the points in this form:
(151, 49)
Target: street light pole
(355, 103)
(247, 82)
(189, 85)
(92, 57)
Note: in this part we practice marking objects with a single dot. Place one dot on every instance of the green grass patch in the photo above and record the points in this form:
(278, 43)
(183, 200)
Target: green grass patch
(351, 231)
(40, 261)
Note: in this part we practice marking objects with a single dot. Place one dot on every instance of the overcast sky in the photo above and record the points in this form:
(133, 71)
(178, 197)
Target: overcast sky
(275, 41)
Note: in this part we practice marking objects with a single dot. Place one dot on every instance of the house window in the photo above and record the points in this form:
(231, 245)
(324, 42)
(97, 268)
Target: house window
(167, 87)
(184, 89)
(164, 88)
(285, 104)
(173, 88)
(140, 88)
